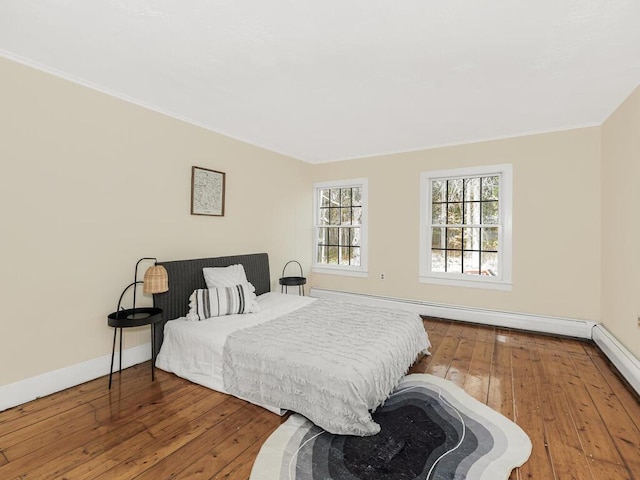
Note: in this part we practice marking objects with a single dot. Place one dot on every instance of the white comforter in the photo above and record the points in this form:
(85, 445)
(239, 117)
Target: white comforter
(330, 361)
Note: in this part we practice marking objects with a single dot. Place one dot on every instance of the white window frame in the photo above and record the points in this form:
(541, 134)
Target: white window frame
(503, 281)
(347, 270)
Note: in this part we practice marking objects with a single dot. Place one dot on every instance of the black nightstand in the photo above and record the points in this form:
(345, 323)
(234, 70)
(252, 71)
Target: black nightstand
(134, 317)
(286, 282)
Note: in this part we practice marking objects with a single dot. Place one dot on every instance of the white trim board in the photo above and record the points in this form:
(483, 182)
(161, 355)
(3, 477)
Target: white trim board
(523, 321)
(47, 383)
(626, 363)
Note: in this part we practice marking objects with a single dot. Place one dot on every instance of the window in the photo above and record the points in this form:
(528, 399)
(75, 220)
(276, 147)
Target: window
(465, 234)
(340, 245)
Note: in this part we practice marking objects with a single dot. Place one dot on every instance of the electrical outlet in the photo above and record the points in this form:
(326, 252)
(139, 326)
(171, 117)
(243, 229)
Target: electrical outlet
(639, 320)
(382, 278)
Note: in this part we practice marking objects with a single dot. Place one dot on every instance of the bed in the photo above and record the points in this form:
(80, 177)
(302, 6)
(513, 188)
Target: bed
(333, 362)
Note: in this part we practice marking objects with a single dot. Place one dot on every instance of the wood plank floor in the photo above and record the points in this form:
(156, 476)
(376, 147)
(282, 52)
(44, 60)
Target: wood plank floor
(582, 419)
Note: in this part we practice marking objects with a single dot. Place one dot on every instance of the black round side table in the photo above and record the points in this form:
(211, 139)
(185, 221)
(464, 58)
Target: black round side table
(134, 317)
(286, 282)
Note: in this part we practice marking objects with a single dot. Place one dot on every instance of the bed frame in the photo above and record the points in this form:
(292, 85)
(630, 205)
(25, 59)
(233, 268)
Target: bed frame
(185, 276)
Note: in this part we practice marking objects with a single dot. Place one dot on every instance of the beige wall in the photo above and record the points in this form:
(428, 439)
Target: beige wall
(621, 223)
(556, 223)
(77, 166)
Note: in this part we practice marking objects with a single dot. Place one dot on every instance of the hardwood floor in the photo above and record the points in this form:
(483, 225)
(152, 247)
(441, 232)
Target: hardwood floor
(582, 419)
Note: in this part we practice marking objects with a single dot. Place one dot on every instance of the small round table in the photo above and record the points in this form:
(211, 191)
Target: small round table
(134, 317)
(286, 282)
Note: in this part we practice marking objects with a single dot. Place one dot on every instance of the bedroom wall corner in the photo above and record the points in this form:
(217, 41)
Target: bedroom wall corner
(77, 167)
(621, 223)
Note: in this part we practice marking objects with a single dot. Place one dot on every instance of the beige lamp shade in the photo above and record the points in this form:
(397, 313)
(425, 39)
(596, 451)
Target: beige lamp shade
(156, 280)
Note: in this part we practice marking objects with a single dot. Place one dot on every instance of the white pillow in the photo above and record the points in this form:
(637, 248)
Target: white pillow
(216, 302)
(216, 277)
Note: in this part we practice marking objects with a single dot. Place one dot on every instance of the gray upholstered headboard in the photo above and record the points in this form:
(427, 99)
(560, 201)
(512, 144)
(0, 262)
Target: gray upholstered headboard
(185, 276)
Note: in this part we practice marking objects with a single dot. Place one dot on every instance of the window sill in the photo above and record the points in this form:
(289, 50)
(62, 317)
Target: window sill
(339, 271)
(459, 282)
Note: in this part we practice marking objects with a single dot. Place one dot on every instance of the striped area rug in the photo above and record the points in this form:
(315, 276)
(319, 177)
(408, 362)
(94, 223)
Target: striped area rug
(430, 429)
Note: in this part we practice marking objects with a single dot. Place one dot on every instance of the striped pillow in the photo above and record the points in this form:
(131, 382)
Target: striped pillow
(215, 302)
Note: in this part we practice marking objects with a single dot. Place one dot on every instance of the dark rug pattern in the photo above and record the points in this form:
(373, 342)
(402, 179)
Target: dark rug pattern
(430, 429)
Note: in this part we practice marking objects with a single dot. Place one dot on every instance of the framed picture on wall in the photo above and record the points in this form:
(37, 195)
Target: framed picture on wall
(207, 192)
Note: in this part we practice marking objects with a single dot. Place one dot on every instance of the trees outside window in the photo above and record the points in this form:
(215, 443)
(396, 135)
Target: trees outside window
(341, 227)
(465, 234)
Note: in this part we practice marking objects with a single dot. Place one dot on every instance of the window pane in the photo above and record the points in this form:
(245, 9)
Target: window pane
(437, 260)
(355, 256)
(438, 191)
(489, 264)
(355, 237)
(489, 212)
(323, 217)
(345, 197)
(335, 197)
(322, 254)
(437, 237)
(471, 238)
(357, 216)
(438, 216)
(490, 238)
(356, 196)
(324, 197)
(471, 263)
(334, 216)
(471, 189)
(454, 261)
(332, 257)
(454, 238)
(490, 188)
(323, 236)
(454, 190)
(472, 213)
(344, 236)
(454, 213)
(345, 214)
(333, 236)
(344, 256)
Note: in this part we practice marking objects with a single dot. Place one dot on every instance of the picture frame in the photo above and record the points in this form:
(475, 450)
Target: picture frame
(207, 192)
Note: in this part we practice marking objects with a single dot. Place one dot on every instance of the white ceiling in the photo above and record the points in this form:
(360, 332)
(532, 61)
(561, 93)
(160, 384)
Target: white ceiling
(337, 79)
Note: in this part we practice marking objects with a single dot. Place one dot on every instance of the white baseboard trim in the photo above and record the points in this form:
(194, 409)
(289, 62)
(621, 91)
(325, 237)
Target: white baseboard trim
(626, 363)
(523, 321)
(47, 383)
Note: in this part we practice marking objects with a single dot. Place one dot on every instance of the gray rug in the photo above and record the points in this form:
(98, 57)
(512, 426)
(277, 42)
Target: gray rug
(430, 430)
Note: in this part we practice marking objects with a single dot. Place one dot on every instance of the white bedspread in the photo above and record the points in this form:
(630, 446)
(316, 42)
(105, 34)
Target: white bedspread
(193, 350)
(331, 361)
